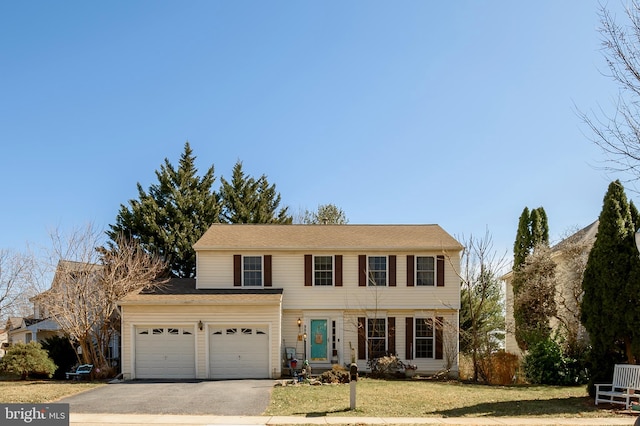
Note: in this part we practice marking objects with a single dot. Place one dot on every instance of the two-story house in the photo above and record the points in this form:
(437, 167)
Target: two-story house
(325, 293)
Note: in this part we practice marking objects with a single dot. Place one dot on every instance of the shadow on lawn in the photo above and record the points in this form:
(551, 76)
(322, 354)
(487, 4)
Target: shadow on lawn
(324, 413)
(558, 407)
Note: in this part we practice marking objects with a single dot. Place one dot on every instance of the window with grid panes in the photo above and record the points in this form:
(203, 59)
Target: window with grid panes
(425, 270)
(377, 270)
(252, 271)
(323, 270)
(376, 337)
(424, 337)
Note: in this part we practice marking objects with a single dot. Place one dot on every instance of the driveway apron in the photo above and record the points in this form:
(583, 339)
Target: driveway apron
(223, 398)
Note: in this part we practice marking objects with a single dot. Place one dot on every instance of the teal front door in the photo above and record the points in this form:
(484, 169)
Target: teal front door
(318, 340)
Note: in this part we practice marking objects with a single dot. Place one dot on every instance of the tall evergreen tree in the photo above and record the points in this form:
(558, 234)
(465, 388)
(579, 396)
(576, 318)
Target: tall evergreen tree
(539, 228)
(530, 312)
(174, 213)
(249, 200)
(523, 239)
(611, 286)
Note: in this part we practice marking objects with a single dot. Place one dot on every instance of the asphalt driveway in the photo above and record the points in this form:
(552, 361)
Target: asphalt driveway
(224, 398)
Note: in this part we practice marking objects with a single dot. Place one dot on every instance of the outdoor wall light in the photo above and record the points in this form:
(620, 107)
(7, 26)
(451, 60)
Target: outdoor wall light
(200, 325)
(299, 322)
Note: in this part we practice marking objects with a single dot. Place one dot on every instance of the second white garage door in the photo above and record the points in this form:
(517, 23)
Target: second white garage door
(239, 352)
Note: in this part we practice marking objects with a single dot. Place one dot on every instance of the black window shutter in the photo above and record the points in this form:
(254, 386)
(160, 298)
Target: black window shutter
(408, 349)
(439, 342)
(392, 270)
(440, 271)
(237, 270)
(362, 338)
(410, 265)
(391, 333)
(308, 270)
(267, 270)
(362, 270)
(338, 270)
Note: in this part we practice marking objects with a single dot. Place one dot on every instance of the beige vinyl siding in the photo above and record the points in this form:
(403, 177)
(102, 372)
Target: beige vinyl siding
(185, 314)
(424, 366)
(290, 331)
(216, 271)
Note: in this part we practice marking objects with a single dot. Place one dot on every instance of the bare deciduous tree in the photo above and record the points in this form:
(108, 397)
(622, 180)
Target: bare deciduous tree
(88, 283)
(482, 310)
(575, 253)
(618, 133)
(16, 271)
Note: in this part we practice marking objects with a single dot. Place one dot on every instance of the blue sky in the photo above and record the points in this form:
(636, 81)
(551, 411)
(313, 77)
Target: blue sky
(459, 113)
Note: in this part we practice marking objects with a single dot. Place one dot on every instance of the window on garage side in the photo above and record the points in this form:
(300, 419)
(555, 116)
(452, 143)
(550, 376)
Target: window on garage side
(252, 271)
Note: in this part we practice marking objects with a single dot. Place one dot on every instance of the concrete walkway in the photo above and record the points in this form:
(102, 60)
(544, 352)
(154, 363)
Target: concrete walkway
(78, 419)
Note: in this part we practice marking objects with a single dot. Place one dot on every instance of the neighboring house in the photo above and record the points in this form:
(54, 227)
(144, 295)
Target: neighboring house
(41, 326)
(27, 329)
(569, 255)
(327, 293)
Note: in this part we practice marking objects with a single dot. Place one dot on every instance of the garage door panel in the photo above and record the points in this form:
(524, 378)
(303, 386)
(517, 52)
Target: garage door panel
(165, 352)
(239, 352)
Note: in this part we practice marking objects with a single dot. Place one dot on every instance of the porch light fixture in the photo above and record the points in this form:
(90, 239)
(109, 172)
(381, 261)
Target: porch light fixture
(200, 325)
(299, 322)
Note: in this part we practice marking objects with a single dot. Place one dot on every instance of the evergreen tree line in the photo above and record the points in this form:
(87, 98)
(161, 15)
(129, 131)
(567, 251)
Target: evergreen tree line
(171, 215)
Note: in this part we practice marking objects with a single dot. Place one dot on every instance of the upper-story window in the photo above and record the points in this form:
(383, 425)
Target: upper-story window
(425, 270)
(377, 268)
(323, 270)
(252, 271)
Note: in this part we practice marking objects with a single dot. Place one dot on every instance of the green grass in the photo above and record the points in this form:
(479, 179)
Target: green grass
(437, 399)
(41, 391)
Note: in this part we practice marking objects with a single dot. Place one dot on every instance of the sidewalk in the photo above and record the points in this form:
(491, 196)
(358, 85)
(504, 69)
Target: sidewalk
(155, 419)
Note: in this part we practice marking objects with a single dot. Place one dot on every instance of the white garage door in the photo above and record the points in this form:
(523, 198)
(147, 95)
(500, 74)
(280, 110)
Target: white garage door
(239, 352)
(165, 352)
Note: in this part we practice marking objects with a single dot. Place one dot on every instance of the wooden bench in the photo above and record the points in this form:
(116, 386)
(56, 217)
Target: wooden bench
(624, 388)
(82, 371)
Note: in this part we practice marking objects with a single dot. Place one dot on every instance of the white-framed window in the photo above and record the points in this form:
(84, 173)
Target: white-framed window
(424, 338)
(377, 270)
(425, 270)
(323, 270)
(252, 271)
(376, 337)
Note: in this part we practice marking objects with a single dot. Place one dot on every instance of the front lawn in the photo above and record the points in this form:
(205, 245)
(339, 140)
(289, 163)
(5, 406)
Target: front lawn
(40, 391)
(434, 399)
